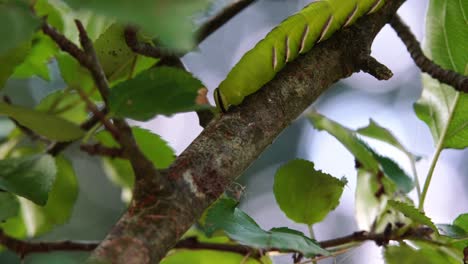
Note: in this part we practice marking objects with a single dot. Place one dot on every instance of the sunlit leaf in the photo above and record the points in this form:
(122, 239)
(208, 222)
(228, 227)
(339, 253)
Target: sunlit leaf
(44, 124)
(31, 177)
(65, 104)
(413, 213)
(408, 255)
(182, 256)
(304, 194)
(162, 90)
(43, 49)
(442, 108)
(239, 226)
(347, 137)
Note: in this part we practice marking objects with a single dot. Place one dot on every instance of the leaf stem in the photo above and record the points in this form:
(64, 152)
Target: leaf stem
(415, 174)
(439, 148)
(312, 236)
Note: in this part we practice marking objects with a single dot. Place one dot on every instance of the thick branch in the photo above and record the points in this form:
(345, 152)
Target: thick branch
(228, 145)
(456, 80)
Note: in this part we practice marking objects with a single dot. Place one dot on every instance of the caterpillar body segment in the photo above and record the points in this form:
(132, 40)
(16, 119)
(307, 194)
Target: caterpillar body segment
(296, 35)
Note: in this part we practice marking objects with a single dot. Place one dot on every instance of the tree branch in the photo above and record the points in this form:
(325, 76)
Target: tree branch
(157, 219)
(58, 147)
(142, 166)
(98, 149)
(219, 20)
(23, 248)
(452, 78)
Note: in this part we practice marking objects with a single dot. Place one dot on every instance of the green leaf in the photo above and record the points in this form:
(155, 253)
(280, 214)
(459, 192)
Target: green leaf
(9, 206)
(43, 49)
(442, 108)
(120, 171)
(153, 146)
(393, 171)
(12, 59)
(452, 231)
(17, 24)
(209, 257)
(47, 125)
(44, 9)
(304, 194)
(408, 255)
(113, 52)
(31, 176)
(374, 130)
(413, 213)
(59, 207)
(161, 90)
(347, 137)
(74, 74)
(462, 222)
(170, 21)
(370, 200)
(239, 226)
(65, 104)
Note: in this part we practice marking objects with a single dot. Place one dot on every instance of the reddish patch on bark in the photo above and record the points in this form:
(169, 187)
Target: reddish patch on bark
(137, 205)
(178, 168)
(210, 183)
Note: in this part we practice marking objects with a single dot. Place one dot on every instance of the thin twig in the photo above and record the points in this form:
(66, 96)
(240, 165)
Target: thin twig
(28, 132)
(99, 149)
(23, 248)
(219, 20)
(58, 147)
(102, 118)
(456, 80)
(146, 49)
(66, 45)
(95, 66)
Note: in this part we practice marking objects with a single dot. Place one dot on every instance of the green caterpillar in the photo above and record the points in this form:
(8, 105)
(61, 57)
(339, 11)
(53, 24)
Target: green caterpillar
(295, 35)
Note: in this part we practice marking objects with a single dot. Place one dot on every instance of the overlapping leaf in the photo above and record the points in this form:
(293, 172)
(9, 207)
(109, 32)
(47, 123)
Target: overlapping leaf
(47, 125)
(224, 215)
(413, 213)
(162, 90)
(368, 158)
(304, 194)
(409, 255)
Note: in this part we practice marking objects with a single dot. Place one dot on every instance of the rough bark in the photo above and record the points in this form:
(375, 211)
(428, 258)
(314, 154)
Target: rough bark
(157, 218)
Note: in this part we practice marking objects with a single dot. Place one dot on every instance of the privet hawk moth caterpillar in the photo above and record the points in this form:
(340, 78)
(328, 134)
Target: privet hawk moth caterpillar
(295, 35)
